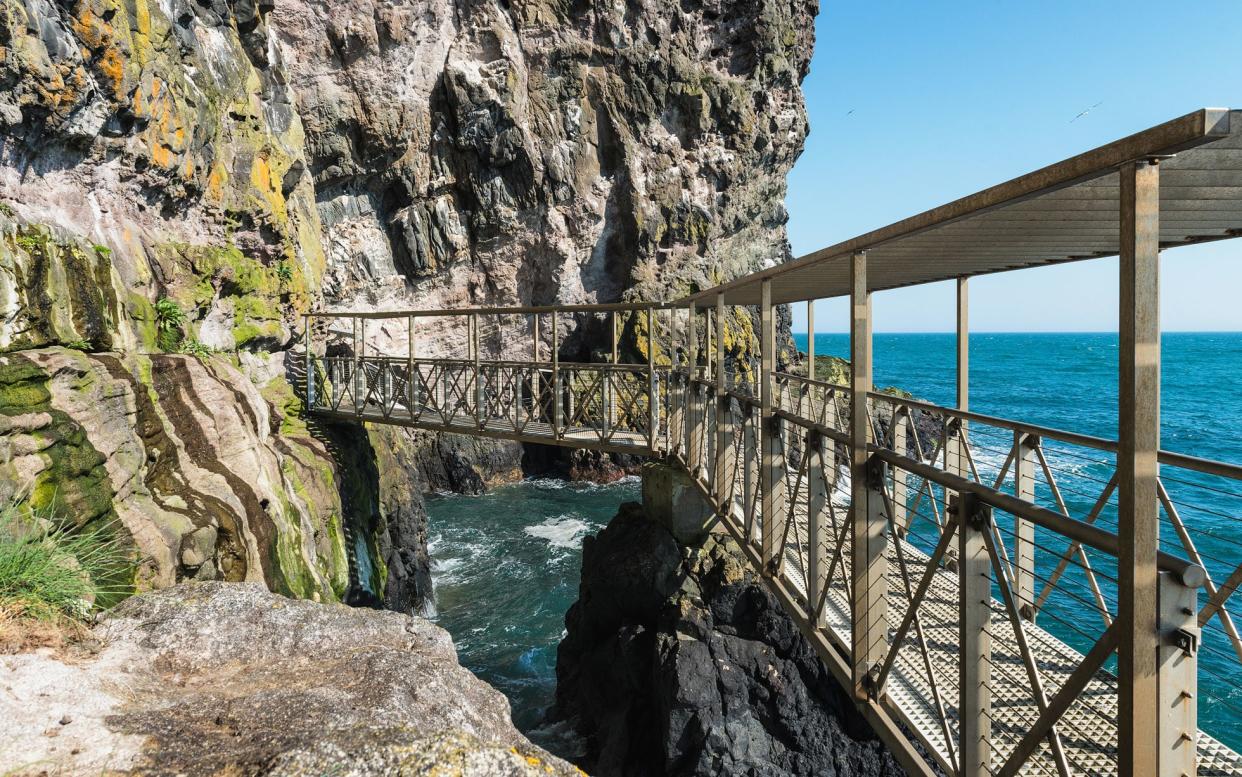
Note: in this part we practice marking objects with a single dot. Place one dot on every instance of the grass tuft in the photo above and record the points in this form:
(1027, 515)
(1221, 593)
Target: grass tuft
(52, 580)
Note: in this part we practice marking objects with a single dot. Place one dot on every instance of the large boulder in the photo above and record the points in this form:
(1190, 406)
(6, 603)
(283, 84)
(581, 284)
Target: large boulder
(219, 678)
(677, 661)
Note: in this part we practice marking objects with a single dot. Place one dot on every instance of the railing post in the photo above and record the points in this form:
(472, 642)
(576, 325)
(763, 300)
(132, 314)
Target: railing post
(901, 485)
(1178, 667)
(1024, 446)
(610, 376)
(810, 339)
(411, 385)
(1138, 520)
(724, 427)
(653, 384)
(557, 399)
(688, 389)
(771, 466)
(974, 636)
(310, 363)
(359, 379)
(817, 506)
(479, 419)
(867, 539)
(750, 467)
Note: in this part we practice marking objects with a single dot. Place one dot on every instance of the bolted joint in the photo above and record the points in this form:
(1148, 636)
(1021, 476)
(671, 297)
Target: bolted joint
(871, 682)
(814, 440)
(877, 473)
(775, 428)
(980, 518)
(1186, 640)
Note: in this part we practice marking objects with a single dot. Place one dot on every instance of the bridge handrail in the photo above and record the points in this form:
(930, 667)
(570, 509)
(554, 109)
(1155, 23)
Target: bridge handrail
(527, 363)
(1191, 575)
(1185, 461)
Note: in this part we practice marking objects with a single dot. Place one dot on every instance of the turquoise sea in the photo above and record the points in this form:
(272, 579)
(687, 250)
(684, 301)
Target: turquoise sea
(506, 564)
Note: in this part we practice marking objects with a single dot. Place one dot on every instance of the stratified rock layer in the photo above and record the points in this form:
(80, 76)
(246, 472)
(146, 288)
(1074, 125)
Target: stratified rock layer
(218, 678)
(678, 662)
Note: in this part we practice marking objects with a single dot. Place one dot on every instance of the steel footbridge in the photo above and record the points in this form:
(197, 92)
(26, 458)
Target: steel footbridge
(998, 598)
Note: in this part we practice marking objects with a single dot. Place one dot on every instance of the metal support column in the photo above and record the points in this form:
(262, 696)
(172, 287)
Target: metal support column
(610, 376)
(810, 339)
(557, 400)
(771, 463)
(974, 636)
(867, 537)
(1024, 460)
(480, 419)
(818, 525)
(900, 478)
(411, 382)
(357, 376)
(724, 427)
(1177, 662)
(310, 363)
(955, 460)
(1138, 516)
(688, 446)
(653, 384)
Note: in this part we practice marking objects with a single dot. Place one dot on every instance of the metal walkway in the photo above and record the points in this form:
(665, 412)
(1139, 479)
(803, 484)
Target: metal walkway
(999, 598)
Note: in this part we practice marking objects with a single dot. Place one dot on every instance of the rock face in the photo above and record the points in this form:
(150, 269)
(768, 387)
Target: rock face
(188, 177)
(542, 152)
(678, 662)
(218, 678)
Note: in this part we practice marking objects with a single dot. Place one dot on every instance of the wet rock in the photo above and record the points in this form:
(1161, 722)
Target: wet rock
(677, 661)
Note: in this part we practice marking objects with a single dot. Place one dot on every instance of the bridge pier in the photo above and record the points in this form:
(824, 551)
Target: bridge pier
(671, 499)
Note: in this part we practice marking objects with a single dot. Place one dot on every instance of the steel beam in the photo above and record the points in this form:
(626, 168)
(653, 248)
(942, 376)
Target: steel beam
(1138, 518)
(868, 563)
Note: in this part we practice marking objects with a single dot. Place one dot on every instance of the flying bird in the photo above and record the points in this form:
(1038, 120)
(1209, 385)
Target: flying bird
(851, 112)
(1084, 113)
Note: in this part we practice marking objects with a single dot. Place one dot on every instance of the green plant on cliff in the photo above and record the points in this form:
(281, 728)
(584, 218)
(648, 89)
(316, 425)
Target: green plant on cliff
(193, 347)
(48, 573)
(169, 322)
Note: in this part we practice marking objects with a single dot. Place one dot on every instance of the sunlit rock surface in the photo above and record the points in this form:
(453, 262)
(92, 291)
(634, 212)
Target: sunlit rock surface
(218, 678)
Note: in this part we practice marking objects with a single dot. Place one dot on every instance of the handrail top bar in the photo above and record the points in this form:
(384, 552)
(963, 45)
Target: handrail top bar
(1180, 134)
(602, 307)
(1183, 460)
(1190, 574)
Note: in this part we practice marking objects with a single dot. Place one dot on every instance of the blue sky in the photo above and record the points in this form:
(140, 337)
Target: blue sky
(950, 98)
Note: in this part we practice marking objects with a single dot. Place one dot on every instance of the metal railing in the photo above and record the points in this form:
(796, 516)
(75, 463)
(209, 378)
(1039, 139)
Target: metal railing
(960, 579)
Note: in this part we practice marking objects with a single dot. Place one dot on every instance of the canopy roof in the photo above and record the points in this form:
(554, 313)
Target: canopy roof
(1065, 212)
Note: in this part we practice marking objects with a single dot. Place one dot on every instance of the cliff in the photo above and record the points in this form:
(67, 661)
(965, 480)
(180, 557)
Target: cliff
(180, 181)
(274, 686)
(676, 661)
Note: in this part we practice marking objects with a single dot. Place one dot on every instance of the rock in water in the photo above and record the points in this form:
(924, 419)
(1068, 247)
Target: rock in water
(220, 678)
(679, 662)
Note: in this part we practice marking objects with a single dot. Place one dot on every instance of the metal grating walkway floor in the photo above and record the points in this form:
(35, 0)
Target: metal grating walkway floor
(1088, 728)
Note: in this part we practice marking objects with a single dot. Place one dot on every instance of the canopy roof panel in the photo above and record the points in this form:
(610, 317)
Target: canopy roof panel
(1065, 212)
